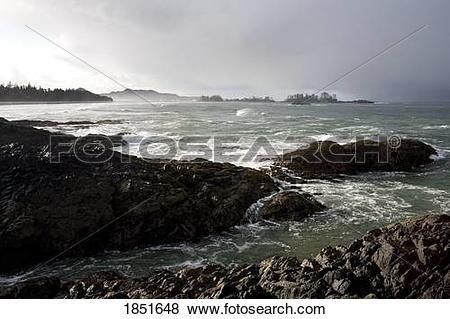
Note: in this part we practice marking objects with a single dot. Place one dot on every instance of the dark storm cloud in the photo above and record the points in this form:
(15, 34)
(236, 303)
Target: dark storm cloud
(257, 47)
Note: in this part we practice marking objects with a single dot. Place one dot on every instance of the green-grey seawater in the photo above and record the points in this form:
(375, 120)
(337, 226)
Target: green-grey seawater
(356, 204)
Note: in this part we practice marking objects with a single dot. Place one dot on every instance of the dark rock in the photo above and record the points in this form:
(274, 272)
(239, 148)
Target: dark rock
(41, 287)
(283, 176)
(386, 263)
(43, 123)
(327, 159)
(47, 207)
(290, 205)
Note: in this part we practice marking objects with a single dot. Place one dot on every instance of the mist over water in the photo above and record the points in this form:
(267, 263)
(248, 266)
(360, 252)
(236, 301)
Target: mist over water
(356, 204)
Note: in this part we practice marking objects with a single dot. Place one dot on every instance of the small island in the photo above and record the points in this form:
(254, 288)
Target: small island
(266, 99)
(212, 98)
(323, 98)
(218, 98)
(27, 93)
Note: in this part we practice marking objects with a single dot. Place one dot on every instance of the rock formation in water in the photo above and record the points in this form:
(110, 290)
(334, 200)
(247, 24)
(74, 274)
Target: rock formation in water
(46, 207)
(290, 205)
(404, 260)
(326, 159)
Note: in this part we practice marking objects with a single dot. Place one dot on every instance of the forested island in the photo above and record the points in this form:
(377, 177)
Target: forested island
(324, 97)
(29, 93)
(218, 98)
(253, 99)
(212, 98)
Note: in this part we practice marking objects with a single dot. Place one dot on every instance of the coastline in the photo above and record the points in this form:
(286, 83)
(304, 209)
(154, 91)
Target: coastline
(392, 262)
(114, 194)
(49, 102)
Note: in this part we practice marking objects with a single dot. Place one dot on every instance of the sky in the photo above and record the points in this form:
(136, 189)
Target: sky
(232, 48)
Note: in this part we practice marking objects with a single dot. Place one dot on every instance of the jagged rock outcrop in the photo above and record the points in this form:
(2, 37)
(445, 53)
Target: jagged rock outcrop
(46, 207)
(404, 260)
(326, 159)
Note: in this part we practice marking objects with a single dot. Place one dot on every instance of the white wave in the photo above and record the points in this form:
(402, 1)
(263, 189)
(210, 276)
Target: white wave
(254, 164)
(359, 129)
(440, 156)
(244, 112)
(358, 202)
(10, 280)
(435, 127)
(442, 153)
(252, 213)
(325, 118)
(186, 264)
(322, 137)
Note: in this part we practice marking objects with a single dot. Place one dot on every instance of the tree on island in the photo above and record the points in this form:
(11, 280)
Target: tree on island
(212, 98)
(28, 93)
(313, 98)
(266, 99)
(218, 98)
(322, 98)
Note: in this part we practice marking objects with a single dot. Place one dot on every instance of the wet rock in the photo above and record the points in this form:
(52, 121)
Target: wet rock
(327, 159)
(46, 207)
(284, 177)
(385, 263)
(42, 288)
(290, 205)
(341, 272)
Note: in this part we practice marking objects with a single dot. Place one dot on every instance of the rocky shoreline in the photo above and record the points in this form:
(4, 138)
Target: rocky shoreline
(47, 207)
(404, 260)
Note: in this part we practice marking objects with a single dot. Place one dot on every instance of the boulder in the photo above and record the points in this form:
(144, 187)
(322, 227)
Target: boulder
(291, 206)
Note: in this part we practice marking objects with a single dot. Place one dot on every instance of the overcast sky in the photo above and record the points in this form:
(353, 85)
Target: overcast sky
(233, 48)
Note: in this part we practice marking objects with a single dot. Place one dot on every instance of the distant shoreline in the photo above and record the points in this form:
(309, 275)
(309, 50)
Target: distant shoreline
(49, 102)
(32, 94)
(202, 102)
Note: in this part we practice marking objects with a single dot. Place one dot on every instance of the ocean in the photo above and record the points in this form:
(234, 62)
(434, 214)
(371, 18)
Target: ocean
(355, 204)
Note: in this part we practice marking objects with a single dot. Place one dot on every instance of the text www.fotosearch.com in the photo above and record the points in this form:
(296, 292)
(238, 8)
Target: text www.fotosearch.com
(243, 308)
(237, 309)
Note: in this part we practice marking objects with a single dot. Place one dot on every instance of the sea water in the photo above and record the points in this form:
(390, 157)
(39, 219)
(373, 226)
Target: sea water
(355, 204)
